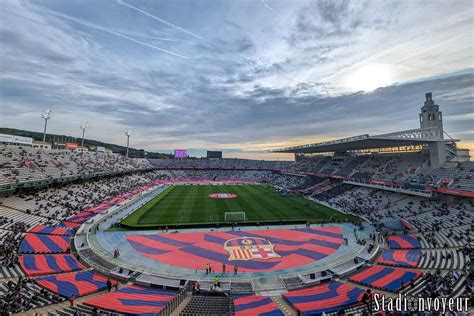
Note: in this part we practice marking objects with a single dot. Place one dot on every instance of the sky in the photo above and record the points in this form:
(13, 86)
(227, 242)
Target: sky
(240, 76)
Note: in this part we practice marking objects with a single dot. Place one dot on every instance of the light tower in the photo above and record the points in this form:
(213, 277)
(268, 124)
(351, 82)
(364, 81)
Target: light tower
(83, 127)
(46, 116)
(128, 134)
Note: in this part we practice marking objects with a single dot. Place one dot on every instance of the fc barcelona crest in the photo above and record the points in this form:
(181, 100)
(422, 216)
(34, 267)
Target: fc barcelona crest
(250, 248)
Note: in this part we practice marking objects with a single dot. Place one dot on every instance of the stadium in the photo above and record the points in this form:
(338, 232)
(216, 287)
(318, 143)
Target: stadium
(89, 233)
(247, 158)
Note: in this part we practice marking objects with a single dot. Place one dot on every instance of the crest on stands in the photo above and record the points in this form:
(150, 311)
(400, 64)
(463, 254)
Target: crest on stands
(250, 248)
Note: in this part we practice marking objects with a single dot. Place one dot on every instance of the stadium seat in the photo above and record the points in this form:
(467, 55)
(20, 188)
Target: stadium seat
(325, 298)
(35, 265)
(73, 284)
(133, 300)
(81, 217)
(404, 242)
(69, 225)
(50, 230)
(37, 224)
(108, 204)
(402, 258)
(256, 305)
(39, 243)
(208, 305)
(389, 279)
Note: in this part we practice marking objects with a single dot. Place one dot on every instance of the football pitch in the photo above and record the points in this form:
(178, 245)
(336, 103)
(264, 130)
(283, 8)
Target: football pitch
(191, 205)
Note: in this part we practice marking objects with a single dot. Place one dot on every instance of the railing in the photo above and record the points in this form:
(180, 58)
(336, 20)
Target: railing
(173, 304)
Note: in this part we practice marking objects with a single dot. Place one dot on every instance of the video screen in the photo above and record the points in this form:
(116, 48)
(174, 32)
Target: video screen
(180, 153)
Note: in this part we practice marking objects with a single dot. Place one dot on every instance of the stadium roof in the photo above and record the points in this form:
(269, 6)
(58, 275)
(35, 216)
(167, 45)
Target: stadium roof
(411, 137)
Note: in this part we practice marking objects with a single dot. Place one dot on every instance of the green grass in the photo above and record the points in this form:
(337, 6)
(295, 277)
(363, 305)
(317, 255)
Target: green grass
(185, 205)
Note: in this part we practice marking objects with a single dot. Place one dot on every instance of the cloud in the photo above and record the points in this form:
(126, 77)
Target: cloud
(112, 32)
(252, 80)
(167, 23)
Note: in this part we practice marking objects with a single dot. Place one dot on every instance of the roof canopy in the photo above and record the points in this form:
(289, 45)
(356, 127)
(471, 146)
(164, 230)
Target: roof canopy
(411, 137)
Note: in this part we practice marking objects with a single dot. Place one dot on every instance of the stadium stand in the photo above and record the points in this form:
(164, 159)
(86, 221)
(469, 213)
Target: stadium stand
(51, 230)
(26, 164)
(439, 284)
(388, 279)
(35, 265)
(24, 295)
(74, 284)
(10, 218)
(401, 258)
(444, 259)
(403, 242)
(205, 304)
(256, 305)
(434, 237)
(325, 298)
(81, 309)
(133, 300)
(80, 218)
(9, 241)
(39, 243)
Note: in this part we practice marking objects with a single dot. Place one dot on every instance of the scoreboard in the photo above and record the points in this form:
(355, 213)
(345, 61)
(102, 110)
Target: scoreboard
(214, 154)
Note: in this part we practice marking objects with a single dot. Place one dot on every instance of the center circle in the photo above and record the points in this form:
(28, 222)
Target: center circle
(222, 195)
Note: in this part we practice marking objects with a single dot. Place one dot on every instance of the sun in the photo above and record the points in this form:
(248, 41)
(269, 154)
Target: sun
(368, 77)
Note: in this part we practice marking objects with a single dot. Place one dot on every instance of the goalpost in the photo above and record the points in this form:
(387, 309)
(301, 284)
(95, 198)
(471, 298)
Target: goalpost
(234, 216)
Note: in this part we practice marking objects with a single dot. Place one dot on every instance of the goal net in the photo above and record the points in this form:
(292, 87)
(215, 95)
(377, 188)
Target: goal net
(234, 216)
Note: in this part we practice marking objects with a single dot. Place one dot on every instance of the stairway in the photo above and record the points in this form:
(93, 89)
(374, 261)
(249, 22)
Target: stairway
(284, 306)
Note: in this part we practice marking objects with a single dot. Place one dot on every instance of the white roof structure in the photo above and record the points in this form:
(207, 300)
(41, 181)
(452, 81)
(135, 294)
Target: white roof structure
(420, 136)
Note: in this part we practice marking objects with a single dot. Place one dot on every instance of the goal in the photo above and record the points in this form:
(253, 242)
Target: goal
(234, 216)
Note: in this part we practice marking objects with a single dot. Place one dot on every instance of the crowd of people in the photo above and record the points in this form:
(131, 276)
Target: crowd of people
(230, 164)
(56, 203)
(439, 285)
(18, 296)
(9, 242)
(23, 164)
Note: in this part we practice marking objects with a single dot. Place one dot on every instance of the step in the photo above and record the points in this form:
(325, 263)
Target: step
(284, 306)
